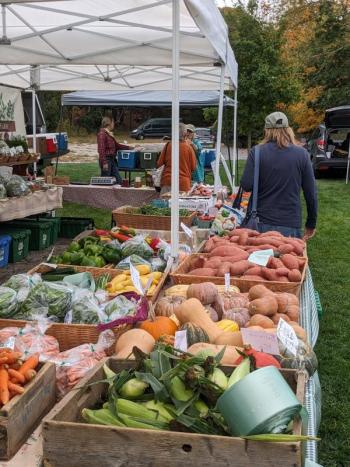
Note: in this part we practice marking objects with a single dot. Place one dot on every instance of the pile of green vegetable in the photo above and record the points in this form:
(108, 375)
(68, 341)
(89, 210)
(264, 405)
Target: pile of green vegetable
(149, 210)
(90, 251)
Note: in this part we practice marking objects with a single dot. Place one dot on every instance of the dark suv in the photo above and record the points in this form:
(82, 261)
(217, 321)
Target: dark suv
(329, 143)
(153, 128)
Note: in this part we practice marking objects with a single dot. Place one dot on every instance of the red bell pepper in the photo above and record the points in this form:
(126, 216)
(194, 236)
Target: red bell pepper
(259, 359)
(121, 237)
(102, 233)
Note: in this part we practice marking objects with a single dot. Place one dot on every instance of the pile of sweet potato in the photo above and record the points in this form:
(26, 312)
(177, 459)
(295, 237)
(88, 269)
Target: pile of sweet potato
(251, 240)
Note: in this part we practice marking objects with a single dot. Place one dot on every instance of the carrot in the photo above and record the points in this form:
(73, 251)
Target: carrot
(29, 364)
(17, 375)
(13, 357)
(30, 374)
(16, 388)
(4, 390)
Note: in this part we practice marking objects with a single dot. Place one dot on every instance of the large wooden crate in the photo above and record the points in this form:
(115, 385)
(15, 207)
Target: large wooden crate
(70, 442)
(181, 276)
(125, 215)
(22, 414)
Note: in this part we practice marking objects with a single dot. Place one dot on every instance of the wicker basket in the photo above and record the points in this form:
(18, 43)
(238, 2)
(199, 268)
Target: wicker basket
(125, 216)
(24, 156)
(4, 159)
(181, 276)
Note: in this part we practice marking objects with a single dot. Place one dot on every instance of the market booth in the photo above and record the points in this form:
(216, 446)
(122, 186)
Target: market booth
(148, 45)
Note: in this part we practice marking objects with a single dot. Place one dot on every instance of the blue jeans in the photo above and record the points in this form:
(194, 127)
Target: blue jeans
(286, 231)
(112, 170)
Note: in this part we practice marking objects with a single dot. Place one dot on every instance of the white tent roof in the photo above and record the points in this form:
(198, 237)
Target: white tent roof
(89, 44)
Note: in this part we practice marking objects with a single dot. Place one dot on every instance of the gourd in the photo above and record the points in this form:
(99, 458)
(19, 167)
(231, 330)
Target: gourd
(228, 325)
(266, 305)
(180, 290)
(230, 338)
(134, 337)
(206, 292)
(261, 320)
(212, 313)
(205, 350)
(194, 334)
(240, 316)
(166, 305)
(258, 291)
(159, 326)
(192, 311)
(305, 358)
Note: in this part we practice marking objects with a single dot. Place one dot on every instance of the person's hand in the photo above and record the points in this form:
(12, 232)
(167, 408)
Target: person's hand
(308, 233)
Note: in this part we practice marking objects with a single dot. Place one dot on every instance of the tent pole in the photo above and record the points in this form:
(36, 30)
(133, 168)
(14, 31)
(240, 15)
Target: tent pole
(34, 127)
(348, 166)
(235, 155)
(219, 131)
(175, 131)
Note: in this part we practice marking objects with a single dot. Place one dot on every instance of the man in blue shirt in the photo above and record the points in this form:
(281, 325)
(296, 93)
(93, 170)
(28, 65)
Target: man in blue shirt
(198, 173)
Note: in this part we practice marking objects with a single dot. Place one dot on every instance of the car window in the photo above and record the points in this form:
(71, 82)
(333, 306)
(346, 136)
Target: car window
(339, 135)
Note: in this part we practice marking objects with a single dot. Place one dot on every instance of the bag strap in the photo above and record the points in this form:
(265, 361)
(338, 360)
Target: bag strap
(256, 180)
(238, 199)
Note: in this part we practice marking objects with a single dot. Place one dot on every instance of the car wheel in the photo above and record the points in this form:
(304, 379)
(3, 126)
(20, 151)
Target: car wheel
(140, 137)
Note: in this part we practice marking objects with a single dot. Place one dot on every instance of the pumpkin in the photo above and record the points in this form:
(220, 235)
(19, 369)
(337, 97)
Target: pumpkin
(192, 311)
(266, 305)
(194, 334)
(234, 301)
(305, 359)
(206, 292)
(240, 315)
(159, 326)
(165, 306)
(134, 337)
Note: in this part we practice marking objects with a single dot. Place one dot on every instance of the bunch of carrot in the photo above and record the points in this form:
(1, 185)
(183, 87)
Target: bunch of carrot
(14, 373)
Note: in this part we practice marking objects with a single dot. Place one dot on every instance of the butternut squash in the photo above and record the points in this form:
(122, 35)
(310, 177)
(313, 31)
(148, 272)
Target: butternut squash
(261, 320)
(125, 343)
(192, 311)
(258, 291)
(230, 355)
(266, 306)
(230, 338)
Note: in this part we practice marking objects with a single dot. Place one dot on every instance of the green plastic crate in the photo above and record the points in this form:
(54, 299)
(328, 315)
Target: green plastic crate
(55, 227)
(19, 247)
(73, 226)
(40, 233)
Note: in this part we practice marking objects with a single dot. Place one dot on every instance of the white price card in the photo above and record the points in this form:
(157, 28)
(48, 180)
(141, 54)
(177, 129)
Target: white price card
(187, 230)
(287, 336)
(260, 257)
(181, 340)
(135, 277)
(261, 341)
(227, 281)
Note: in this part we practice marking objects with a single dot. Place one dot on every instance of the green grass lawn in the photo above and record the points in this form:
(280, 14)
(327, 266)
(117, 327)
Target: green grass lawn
(329, 255)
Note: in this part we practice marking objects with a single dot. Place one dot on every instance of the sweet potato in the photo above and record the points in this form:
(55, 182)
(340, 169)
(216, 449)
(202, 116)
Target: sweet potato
(282, 271)
(224, 268)
(264, 241)
(271, 233)
(196, 262)
(209, 245)
(234, 239)
(203, 272)
(285, 248)
(229, 250)
(251, 277)
(213, 263)
(243, 238)
(290, 262)
(240, 267)
(255, 271)
(283, 279)
(274, 263)
(270, 274)
(297, 248)
(294, 275)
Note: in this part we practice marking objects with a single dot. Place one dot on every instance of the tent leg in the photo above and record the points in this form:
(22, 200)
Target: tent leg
(34, 127)
(219, 131)
(175, 131)
(235, 155)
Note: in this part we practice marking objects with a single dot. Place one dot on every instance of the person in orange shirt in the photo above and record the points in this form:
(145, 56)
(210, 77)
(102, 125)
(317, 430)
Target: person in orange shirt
(187, 163)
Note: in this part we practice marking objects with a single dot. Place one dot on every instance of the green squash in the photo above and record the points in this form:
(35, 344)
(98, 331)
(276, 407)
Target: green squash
(305, 359)
(194, 334)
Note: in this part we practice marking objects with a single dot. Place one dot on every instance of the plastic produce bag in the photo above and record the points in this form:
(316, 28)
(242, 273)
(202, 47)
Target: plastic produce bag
(18, 281)
(73, 364)
(47, 297)
(3, 193)
(111, 252)
(116, 318)
(158, 264)
(85, 308)
(137, 246)
(119, 307)
(8, 302)
(135, 260)
(32, 339)
(83, 280)
(16, 186)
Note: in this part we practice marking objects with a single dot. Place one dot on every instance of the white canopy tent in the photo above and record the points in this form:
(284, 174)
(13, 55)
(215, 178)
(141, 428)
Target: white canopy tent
(129, 44)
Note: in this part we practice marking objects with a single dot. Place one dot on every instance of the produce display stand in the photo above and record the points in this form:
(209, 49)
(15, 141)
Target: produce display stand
(31, 204)
(20, 416)
(107, 197)
(128, 172)
(64, 434)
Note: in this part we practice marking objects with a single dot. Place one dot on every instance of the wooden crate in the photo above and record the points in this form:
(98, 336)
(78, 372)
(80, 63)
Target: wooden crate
(22, 414)
(125, 216)
(69, 442)
(181, 276)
